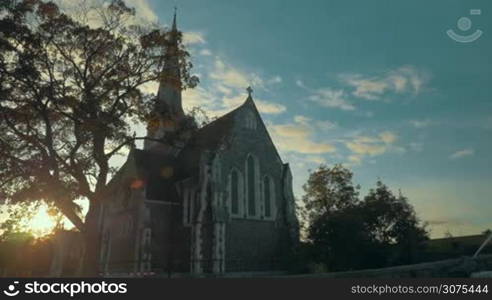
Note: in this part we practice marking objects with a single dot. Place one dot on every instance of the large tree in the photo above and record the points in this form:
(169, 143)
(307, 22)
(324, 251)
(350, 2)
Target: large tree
(347, 233)
(70, 88)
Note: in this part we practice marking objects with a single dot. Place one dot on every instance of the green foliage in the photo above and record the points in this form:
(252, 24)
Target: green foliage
(328, 190)
(347, 233)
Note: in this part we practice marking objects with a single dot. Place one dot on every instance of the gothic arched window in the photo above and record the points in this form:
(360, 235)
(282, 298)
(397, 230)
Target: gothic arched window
(235, 193)
(216, 169)
(250, 120)
(268, 197)
(188, 204)
(252, 173)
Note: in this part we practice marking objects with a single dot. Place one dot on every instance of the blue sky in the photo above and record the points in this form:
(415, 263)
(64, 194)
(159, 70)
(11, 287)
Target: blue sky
(376, 85)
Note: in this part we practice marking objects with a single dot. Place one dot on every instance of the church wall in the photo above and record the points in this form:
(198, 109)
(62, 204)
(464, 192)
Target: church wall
(120, 226)
(170, 243)
(125, 222)
(254, 243)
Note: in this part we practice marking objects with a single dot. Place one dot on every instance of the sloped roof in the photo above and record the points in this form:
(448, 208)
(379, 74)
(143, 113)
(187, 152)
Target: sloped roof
(211, 137)
(156, 171)
(207, 138)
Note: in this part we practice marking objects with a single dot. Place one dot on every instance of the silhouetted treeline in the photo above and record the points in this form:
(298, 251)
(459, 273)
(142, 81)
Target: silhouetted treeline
(346, 232)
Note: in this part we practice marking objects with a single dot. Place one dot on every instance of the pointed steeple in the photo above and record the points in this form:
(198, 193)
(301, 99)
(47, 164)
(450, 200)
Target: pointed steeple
(175, 27)
(169, 95)
(168, 111)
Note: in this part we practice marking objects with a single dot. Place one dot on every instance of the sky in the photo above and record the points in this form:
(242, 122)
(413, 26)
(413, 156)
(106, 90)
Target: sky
(375, 85)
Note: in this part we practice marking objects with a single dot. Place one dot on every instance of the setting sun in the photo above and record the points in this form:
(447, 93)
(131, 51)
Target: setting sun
(41, 220)
(41, 223)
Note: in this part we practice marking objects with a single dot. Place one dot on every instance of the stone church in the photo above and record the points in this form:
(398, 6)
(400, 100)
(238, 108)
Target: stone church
(212, 200)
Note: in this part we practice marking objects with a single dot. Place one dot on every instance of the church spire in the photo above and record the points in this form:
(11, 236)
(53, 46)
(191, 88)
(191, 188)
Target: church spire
(174, 28)
(169, 95)
(168, 110)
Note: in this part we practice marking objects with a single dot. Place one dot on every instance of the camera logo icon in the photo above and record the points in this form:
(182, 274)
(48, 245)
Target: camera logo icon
(464, 24)
(11, 291)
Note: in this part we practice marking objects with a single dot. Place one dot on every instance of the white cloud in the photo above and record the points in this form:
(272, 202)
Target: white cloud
(227, 86)
(224, 90)
(355, 159)
(316, 159)
(322, 125)
(402, 80)
(298, 137)
(364, 145)
(198, 96)
(300, 84)
(327, 97)
(233, 77)
(143, 9)
(302, 119)
(275, 80)
(192, 38)
(388, 137)
(326, 125)
(462, 153)
(417, 147)
(205, 52)
(421, 123)
(268, 107)
(369, 89)
(331, 98)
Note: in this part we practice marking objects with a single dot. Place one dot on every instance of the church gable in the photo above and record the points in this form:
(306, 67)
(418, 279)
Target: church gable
(124, 185)
(251, 168)
(249, 131)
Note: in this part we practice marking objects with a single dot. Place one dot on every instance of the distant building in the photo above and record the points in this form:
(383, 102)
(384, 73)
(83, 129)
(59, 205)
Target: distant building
(214, 200)
(454, 247)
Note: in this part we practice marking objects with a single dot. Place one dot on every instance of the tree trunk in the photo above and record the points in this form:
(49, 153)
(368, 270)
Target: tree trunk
(92, 239)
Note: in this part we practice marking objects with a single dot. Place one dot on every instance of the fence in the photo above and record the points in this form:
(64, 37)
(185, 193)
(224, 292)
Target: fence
(183, 269)
(460, 267)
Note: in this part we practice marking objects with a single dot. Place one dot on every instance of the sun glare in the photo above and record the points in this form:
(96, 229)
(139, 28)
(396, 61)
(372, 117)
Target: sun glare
(41, 223)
